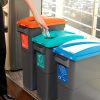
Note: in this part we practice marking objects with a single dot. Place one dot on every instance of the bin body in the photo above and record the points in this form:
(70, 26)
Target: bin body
(78, 71)
(46, 77)
(45, 64)
(28, 28)
(28, 60)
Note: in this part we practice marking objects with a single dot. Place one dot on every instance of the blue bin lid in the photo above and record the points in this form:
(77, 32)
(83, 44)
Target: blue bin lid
(59, 37)
(78, 50)
(79, 41)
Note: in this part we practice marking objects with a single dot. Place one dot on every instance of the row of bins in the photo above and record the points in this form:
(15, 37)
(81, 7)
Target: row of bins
(45, 63)
(70, 68)
(29, 28)
(62, 66)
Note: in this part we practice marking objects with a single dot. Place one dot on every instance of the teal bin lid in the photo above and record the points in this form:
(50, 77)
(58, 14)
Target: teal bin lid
(58, 37)
(78, 50)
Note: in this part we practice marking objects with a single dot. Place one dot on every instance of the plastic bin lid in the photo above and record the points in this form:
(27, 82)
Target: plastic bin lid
(79, 41)
(57, 38)
(78, 51)
(31, 23)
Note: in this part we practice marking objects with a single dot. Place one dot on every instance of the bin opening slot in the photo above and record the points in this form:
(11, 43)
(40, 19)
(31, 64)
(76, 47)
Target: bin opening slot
(23, 27)
(49, 37)
(31, 20)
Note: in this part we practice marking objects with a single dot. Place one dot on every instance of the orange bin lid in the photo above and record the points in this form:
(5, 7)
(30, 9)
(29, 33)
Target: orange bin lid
(30, 22)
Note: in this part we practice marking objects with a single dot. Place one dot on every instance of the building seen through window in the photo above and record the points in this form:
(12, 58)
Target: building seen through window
(78, 12)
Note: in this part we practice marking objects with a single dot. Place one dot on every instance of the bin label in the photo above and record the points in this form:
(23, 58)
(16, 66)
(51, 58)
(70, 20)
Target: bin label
(63, 73)
(24, 41)
(40, 60)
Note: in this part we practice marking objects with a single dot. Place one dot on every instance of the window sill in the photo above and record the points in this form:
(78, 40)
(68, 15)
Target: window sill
(77, 31)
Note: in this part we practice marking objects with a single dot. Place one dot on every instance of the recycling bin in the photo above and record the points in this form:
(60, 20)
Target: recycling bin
(28, 28)
(78, 70)
(45, 64)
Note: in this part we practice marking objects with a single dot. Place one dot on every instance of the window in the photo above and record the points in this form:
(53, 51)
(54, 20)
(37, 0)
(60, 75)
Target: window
(83, 15)
(98, 21)
(49, 7)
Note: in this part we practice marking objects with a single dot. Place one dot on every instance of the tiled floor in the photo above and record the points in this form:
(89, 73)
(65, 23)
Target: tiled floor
(18, 79)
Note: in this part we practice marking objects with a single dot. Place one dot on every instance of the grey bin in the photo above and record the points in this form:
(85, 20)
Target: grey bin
(78, 65)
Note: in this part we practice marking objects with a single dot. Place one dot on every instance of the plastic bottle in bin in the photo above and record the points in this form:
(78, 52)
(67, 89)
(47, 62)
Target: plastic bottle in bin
(45, 33)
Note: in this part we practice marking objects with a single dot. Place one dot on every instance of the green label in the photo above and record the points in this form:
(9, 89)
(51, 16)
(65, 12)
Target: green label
(40, 60)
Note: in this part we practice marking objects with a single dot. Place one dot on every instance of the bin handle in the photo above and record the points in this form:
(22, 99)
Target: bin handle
(38, 47)
(62, 60)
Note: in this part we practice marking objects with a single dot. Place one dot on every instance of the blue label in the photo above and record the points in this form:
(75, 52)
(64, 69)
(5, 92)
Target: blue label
(63, 73)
